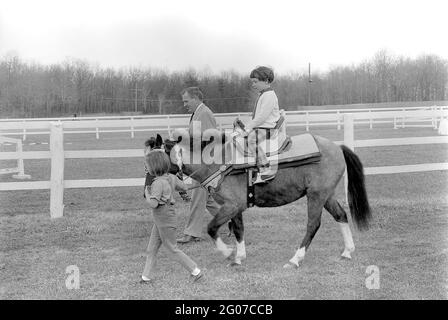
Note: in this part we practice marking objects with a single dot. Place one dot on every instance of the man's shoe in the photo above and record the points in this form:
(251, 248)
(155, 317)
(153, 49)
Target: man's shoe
(187, 238)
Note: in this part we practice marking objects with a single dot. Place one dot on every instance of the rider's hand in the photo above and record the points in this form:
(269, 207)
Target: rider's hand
(235, 134)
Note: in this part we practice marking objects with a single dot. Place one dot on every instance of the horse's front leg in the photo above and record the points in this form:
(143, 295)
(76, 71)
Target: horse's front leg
(226, 212)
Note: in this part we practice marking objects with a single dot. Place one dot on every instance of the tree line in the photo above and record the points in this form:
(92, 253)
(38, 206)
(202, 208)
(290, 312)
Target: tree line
(78, 87)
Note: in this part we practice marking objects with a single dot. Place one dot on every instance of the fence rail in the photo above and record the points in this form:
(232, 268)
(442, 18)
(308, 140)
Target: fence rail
(230, 114)
(19, 170)
(399, 117)
(57, 154)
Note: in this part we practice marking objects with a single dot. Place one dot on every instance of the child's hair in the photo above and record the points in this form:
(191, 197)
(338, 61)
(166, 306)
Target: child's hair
(158, 163)
(263, 74)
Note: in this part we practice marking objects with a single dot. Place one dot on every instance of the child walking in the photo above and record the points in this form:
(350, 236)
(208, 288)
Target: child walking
(153, 144)
(159, 195)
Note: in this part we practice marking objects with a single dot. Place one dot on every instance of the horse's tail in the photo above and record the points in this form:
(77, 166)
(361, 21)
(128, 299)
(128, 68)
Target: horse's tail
(357, 195)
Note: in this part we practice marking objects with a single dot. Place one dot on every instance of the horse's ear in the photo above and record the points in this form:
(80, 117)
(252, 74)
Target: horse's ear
(159, 140)
(180, 135)
(150, 143)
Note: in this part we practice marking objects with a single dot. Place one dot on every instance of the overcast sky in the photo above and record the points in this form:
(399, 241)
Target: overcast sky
(222, 35)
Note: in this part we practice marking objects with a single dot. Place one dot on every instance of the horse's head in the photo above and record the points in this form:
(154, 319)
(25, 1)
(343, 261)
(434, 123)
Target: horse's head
(154, 144)
(157, 144)
(174, 151)
(206, 149)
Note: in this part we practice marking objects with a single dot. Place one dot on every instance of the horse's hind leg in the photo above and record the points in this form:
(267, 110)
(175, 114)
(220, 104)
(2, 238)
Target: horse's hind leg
(315, 206)
(338, 213)
(238, 230)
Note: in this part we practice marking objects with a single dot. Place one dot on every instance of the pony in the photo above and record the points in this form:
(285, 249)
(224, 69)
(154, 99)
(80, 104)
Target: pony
(317, 181)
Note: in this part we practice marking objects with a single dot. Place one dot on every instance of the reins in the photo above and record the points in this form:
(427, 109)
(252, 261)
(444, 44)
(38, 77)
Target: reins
(213, 175)
(200, 183)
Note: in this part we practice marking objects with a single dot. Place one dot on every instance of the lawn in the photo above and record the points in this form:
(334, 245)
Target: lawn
(104, 232)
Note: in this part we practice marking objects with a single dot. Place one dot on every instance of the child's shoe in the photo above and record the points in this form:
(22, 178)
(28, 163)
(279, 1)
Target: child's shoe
(266, 174)
(145, 280)
(198, 276)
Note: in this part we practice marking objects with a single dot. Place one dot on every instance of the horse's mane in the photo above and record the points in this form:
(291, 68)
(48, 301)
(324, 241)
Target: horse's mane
(154, 142)
(151, 142)
(223, 138)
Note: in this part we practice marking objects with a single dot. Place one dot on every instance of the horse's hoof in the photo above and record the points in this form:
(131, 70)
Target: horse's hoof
(228, 255)
(346, 255)
(234, 264)
(290, 265)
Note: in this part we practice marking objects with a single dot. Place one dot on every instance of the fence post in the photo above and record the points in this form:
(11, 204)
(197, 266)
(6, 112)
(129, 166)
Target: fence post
(20, 167)
(349, 141)
(434, 117)
(57, 170)
(97, 130)
(441, 115)
(24, 130)
(370, 120)
(307, 122)
(339, 120)
(402, 119)
(132, 127)
(169, 127)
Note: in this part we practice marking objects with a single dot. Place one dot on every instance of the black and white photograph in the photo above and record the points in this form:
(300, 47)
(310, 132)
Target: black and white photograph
(223, 155)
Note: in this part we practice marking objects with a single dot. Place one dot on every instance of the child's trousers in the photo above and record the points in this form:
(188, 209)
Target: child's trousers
(165, 234)
(254, 139)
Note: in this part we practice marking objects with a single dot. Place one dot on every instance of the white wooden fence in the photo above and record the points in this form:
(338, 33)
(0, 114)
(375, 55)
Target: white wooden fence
(399, 117)
(19, 170)
(57, 184)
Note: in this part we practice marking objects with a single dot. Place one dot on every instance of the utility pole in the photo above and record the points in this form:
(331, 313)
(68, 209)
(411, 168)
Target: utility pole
(309, 83)
(136, 96)
(136, 91)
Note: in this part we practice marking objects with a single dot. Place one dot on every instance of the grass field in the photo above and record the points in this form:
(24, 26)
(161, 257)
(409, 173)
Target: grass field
(105, 231)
